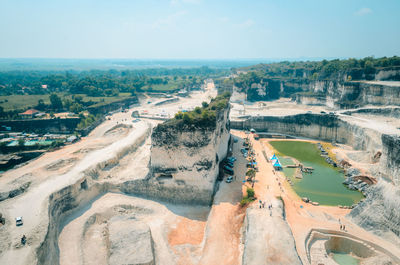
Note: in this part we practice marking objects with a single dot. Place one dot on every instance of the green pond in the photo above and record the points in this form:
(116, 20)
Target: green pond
(324, 185)
(345, 259)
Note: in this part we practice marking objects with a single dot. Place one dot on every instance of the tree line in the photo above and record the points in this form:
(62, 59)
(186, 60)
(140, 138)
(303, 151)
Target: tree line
(97, 83)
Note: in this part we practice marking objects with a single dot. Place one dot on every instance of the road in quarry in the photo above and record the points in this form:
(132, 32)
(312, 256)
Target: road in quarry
(33, 206)
(58, 169)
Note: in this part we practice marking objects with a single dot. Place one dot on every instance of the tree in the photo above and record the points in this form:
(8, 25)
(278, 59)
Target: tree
(204, 104)
(41, 105)
(187, 118)
(56, 102)
(197, 110)
(250, 192)
(67, 103)
(76, 108)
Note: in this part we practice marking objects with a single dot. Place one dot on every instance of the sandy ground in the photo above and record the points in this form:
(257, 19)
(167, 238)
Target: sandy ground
(302, 220)
(185, 103)
(281, 107)
(55, 170)
(186, 234)
(78, 241)
(33, 205)
(222, 243)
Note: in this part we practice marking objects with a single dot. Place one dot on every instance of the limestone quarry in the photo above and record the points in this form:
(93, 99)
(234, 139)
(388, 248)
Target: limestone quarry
(156, 190)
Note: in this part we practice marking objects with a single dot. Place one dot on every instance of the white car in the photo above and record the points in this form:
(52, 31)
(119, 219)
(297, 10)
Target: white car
(229, 179)
(18, 221)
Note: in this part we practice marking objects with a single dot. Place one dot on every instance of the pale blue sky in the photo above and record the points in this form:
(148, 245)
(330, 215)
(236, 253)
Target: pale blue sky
(199, 29)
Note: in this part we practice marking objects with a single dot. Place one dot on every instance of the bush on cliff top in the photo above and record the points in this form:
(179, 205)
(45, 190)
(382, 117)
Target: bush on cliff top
(204, 116)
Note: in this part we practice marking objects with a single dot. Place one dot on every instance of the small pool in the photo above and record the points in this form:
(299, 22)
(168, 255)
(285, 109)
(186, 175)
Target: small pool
(345, 259)
(324, 185)
(45, 142)
(31, 142)
(13, 143)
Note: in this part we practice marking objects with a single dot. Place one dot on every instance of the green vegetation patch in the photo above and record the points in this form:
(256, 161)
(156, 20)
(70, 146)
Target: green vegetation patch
(204, 116)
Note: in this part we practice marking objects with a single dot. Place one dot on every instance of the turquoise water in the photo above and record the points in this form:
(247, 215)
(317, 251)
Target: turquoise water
(32, 142)
(324, 185)
(13, 143)
(345, 259)
(45, 142)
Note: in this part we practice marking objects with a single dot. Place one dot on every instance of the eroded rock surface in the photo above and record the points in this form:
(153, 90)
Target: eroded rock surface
(268, 238)
(131, 243)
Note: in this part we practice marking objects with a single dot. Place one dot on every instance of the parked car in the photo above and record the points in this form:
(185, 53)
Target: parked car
(229, 179)
(229, 164)
(232, 158)
(227, 167)
(18, 221)
(229, 171)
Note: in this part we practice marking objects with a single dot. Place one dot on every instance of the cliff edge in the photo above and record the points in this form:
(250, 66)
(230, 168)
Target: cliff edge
(186, 152)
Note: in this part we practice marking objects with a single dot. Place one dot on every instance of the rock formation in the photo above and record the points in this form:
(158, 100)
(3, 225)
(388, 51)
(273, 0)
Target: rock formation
(185, 159)
(379, 212)
(268, 238)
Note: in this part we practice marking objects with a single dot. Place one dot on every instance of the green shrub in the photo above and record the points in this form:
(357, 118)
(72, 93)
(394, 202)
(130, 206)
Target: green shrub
(187, 118)
(179, 115)
(244, 201)
(250, 192)
(197, 110)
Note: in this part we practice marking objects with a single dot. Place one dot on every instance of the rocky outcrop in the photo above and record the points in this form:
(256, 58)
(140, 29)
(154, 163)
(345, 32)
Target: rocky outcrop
(391, 157)
(103, 108)
(130, 243)
(60, 205)
(14, 192)
(268, 238)
(337, 92)
(317, 126)
(381, 111)
(350, 94)
(333, 128)
(380, 212)
(184, 161)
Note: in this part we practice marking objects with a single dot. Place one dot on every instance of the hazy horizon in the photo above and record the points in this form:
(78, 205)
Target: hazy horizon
(199, 29)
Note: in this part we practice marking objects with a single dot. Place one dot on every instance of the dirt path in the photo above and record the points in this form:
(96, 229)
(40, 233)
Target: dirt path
(223, 232)
(33, 205)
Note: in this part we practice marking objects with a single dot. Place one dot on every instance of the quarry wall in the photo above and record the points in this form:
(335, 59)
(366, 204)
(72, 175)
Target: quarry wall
(104, 108)
(184, 163)
(332, 128)
(334, 92)
(379, 212)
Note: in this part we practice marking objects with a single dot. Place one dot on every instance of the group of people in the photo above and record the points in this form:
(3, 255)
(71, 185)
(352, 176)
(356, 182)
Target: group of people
(342, 226)
(262, 205)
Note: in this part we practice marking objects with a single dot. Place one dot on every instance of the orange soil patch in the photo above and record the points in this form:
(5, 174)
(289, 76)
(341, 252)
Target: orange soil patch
(187, 232)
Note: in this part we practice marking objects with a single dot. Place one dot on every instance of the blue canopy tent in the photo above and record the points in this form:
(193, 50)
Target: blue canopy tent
(273, 157)
(277, 165)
